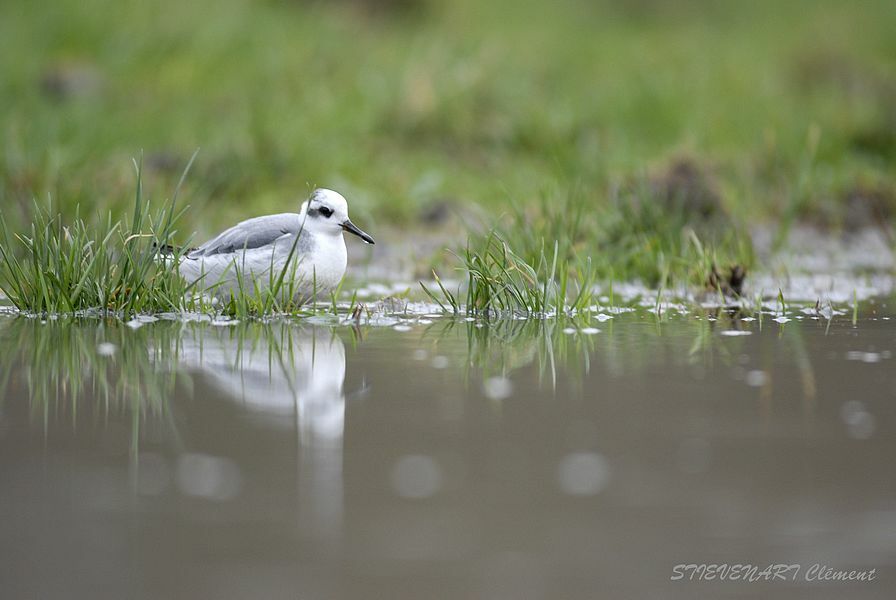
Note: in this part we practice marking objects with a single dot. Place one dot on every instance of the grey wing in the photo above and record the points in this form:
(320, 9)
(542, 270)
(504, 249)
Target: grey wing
(252, 233)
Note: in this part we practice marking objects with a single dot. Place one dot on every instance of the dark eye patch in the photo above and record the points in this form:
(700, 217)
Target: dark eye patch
(324, 211)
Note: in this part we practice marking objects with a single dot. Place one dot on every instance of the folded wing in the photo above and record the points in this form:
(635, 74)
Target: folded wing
(250, 234)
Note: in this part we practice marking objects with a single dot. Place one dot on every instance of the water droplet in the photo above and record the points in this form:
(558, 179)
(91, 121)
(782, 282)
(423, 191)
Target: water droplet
(861, 426)
(416, 476)
(439, 362)
(583, 473)
(756, 378)
(851, 409)
(224, 322)
(211, 477)
(106, 349)
(497, 388)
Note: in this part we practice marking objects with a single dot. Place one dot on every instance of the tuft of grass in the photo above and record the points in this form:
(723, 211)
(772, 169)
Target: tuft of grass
(544, 260)
(111, 267)
(499, 281)
(449, 298)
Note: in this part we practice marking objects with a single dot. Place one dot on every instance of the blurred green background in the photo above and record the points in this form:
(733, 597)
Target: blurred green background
(780, 109)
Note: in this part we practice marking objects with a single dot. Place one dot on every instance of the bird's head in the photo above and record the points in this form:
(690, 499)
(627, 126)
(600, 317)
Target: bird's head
(326, 211)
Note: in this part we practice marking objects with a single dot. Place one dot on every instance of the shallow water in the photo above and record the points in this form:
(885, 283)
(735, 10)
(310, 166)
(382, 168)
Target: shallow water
(444, 459)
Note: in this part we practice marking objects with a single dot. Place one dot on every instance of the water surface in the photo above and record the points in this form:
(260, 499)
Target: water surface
(445, 459)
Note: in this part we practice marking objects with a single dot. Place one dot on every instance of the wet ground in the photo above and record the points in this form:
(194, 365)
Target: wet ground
(434, 458)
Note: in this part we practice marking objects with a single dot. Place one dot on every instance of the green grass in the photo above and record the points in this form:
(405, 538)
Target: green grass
(498, 282)
(71, 266)
(543, 259)
(568, 118)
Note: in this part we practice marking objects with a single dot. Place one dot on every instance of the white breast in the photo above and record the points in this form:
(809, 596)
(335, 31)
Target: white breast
(327, 263)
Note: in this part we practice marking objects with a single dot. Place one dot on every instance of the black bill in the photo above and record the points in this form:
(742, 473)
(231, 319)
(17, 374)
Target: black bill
(352, 228)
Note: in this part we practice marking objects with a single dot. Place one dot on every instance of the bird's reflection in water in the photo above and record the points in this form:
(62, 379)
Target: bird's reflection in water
(289, 377)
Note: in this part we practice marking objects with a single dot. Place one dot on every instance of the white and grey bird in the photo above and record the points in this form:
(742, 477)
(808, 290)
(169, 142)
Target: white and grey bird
(307, 248)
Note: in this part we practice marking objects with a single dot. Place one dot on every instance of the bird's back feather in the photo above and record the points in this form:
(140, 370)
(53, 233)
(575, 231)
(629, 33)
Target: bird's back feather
(251, 234)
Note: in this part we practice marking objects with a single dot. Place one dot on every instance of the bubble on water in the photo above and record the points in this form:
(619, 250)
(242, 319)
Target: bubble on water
(782, 319)
(860, 424)
(756, 378)
(439, 362)
(224, 322)
(569, 330)
(106, 349)
(851, 408)
(748, 319)
(583, 474)
(735, 332)
(134, 324)
(416, 476)
(497, 388)
(866, 357)
(694, 455)
(402, 328)
(420, 354)
(590, 330)
(210, 477)
(601, 317)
